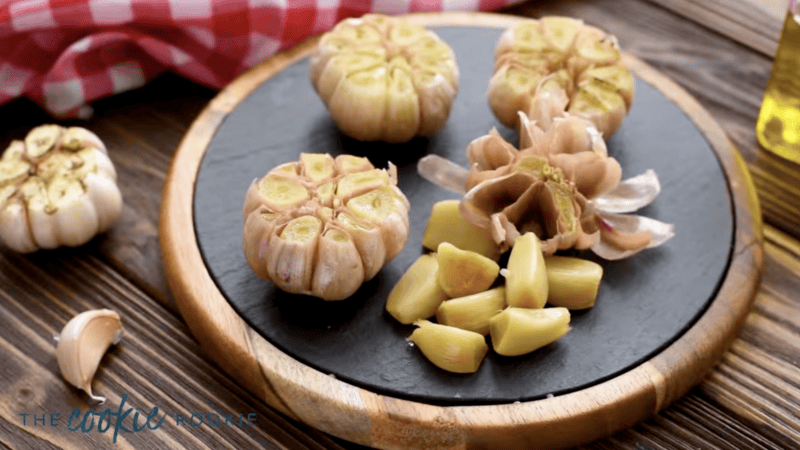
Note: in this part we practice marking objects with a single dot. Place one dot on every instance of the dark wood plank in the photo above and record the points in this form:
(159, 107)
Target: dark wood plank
(157, 364)
(754, 23)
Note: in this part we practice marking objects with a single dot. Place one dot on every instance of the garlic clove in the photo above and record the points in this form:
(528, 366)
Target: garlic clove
(258, 227)
(339, 271)
(106, 198)
(358, 104)
(76, 220)
(291, 262)
(450, 348)
(14, 230)
(368, 240)
(402, 108)
(435, 93)
(82, 344)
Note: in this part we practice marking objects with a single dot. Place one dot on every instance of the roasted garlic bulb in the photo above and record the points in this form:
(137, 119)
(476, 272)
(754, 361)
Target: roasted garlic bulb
(57, 187)
(385, 79)
(322, 226)
(555, 64)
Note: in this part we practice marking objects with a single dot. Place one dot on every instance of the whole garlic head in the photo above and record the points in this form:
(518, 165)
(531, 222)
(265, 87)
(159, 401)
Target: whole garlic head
(554, 64)
(322, 226)
(57, 187)
(385, 79)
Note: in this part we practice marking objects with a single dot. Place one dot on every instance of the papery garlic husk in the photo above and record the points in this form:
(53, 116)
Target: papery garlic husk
(83, 342)
(556, 64)
(57, 188)
(322, 226)
(526, 201)
(625, 235)
(385, 79)
(570, 144)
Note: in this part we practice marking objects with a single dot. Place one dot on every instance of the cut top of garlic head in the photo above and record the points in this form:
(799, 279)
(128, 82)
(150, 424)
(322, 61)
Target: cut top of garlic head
(385, 79)
(82, 344)
(322, 226)
(57, 187)
(555, 64)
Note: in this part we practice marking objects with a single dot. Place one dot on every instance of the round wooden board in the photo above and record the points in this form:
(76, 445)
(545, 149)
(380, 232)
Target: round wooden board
(382, 421)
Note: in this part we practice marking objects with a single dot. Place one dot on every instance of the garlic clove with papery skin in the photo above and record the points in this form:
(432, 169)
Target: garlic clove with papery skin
(83, 342)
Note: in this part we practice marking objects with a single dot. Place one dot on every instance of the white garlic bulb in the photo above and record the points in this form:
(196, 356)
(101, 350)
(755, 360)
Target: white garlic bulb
(57, 187)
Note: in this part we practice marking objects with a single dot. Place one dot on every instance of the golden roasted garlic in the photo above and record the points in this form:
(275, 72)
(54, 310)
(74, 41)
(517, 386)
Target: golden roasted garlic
(555, 64)
(57, 188)
(385, 79)
(322, 226)
(83, 342)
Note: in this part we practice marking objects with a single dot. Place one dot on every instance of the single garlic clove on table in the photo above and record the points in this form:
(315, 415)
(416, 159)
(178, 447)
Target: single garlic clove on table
(57, 187)
(384, 79)
(82, 344)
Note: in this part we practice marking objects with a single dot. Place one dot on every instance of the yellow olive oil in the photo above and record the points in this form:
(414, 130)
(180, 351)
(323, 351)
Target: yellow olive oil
(778, 126)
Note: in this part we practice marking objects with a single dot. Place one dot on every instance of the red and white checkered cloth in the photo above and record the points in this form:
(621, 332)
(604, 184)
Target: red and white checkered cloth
(63, 54)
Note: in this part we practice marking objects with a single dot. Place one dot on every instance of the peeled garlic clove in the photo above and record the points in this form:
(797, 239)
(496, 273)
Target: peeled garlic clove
(462, 272)
(517, 331)
(447, 224)
(417, 295)
(82, 344)
(526, 274)
(472, 312)
(572, 282)
(449, 348)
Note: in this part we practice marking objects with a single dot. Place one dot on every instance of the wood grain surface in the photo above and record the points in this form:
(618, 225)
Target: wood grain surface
(750, 400)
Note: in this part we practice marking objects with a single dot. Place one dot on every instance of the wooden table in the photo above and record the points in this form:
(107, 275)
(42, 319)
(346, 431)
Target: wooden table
(719, 51)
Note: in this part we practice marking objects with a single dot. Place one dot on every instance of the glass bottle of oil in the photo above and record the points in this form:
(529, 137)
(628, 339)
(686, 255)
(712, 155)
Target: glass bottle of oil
(778, 126)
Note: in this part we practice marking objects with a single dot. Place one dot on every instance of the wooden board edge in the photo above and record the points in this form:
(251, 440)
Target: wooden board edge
(384, 422)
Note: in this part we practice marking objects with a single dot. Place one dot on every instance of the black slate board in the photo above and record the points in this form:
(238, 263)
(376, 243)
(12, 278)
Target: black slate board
(644, 303)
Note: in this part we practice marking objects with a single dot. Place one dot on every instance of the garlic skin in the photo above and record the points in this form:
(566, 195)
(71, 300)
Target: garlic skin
(57, 188)
(83, 342)
(561, 184)
(553, 65)
(322, 226)
(385, 79)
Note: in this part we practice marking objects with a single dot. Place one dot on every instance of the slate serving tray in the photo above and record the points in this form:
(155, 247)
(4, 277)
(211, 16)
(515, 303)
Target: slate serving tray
(646, 307)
